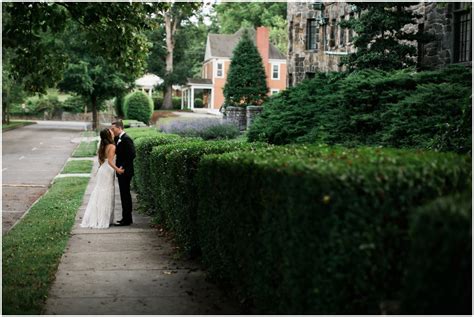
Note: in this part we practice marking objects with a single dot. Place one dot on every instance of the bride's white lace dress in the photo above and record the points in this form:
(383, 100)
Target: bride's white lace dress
(100, 209)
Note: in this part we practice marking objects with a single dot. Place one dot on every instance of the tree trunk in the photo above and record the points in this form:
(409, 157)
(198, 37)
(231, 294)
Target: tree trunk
(94, 113)
(167, 103)
(5, 116)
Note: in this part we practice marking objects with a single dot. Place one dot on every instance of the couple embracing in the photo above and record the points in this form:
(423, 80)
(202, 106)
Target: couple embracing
(116, 153)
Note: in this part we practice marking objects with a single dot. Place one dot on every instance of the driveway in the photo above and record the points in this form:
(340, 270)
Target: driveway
(31, 157)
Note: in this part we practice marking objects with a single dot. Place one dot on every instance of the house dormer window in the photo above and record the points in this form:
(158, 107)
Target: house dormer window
(276, 71)
(220, 70)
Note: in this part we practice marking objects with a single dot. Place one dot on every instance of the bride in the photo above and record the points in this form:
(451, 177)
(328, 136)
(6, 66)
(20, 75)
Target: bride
(100, 209)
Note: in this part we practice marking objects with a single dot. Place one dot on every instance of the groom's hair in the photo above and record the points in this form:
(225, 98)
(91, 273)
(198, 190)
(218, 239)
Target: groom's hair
(118, 124)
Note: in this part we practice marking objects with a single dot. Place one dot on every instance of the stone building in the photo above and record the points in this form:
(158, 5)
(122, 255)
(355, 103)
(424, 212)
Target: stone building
(317, 42)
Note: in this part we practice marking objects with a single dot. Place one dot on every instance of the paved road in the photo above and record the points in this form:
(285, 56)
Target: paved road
(31, 157)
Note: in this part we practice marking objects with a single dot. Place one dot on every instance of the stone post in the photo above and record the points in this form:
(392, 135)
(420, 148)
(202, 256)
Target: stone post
(237, 115)
(252, 113)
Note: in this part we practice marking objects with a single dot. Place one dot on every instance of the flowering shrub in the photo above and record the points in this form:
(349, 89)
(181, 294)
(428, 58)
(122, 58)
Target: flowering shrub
(205, 128)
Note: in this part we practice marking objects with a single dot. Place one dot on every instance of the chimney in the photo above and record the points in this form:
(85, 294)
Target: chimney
(263, 43)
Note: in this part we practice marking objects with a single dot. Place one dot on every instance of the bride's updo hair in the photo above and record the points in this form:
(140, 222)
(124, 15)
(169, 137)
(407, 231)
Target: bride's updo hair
(105, 139)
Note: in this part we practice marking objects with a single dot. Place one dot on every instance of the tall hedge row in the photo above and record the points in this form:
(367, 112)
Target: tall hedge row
(175, 194)
(425, 110)
(320, 231)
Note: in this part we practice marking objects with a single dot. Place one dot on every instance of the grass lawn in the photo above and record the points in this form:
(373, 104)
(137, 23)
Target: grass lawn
(86, 134)
(33, 248)
(86, 149)
(82, 166)
(15, 124)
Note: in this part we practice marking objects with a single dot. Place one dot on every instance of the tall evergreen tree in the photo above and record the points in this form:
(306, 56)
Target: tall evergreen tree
(246, 82)
(382, 41)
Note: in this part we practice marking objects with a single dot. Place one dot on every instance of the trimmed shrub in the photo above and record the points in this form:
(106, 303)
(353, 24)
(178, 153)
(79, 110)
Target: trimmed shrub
(207, 129)
(426, 110)
(316, 230)
(142, 180)
(439, 270)
(138, 106)
(176, 102)
(174, 188)
(198, 103)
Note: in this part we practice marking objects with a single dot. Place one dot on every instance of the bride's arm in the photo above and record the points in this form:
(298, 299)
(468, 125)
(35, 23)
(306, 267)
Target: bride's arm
(110, 158)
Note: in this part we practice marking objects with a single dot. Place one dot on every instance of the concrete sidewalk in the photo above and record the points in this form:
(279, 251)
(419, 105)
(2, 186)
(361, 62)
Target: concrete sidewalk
(129, 270)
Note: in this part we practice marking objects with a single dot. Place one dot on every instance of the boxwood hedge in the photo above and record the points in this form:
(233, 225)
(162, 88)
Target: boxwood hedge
(316, 230)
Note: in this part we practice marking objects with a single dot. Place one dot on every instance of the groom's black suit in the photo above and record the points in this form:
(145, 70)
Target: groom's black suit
(125, 152)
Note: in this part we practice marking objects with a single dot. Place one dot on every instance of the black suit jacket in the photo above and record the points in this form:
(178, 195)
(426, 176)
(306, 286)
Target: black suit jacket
(125, 152)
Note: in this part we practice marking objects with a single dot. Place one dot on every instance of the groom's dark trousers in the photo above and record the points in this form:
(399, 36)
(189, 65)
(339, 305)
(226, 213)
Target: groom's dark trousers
(125, 154)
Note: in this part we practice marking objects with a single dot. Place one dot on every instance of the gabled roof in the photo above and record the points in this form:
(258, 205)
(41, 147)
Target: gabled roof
(222, 45)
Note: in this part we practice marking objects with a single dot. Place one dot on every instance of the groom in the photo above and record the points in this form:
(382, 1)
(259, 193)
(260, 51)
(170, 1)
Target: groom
(125, 152)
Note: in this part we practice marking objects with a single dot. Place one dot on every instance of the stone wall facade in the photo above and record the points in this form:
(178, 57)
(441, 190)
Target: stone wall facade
(439, 19)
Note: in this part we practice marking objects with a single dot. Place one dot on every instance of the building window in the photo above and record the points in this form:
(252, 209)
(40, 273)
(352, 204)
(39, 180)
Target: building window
(276, 71)
(342, 34)
(220, 70)
(332, 34)
(290, 80)
(309, 75)
(312, 36)
(275, 91)
(462, 32)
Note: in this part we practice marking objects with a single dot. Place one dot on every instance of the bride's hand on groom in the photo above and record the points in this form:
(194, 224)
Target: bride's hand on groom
(120, 170)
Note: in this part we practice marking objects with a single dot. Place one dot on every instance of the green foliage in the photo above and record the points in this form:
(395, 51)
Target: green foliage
(157, 101)
(31, 251)
(138, 106)
(289, 227)
(232, 16)
(198, 103)
(176, 101)
(145, 140)
(220, 132)
(118, 105)
(381, 41)
(74, 104)
(438, 280)
(174, 188)
(246, 81)
(86, 149)
(79, 166)
(429, 110)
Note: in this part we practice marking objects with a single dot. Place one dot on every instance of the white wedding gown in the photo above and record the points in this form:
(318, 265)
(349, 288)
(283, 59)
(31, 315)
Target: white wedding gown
(100, 209)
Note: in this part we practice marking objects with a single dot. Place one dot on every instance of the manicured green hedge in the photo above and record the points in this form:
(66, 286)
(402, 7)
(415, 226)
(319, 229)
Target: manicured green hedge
(316, 230)
(142, 179)
(426, 110)
(174, 190)
(438, 280)
(138, 106)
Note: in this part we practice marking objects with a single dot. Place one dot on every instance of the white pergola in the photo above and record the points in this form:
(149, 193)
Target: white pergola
(187, 99)
(148, 82)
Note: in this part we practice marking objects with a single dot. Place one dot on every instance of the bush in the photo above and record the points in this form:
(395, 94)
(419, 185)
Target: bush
(427, 110)
(174, 188)
(176, 101)
(208, 129)
(138, 106)
(74, 104)
(142, 179)
(439, 276)
(198, 103)
(157, 102)
(289, 228)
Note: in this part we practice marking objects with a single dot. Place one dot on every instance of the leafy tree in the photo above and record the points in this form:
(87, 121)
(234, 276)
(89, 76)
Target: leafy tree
(232, 16)
(171, 15)
(381, 41)
(112, 33)
(246, 82)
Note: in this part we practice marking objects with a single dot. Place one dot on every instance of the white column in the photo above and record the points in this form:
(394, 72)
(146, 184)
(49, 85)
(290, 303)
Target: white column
(188, 99)
(192, 97)
(150, 91)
